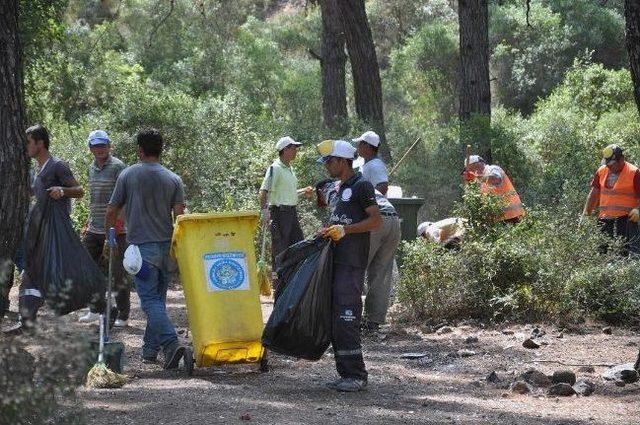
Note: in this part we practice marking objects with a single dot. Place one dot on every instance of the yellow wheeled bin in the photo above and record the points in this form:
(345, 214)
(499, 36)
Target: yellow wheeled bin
(216, 256)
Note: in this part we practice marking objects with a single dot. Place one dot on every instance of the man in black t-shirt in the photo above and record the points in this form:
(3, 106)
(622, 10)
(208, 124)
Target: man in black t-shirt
(353, 216)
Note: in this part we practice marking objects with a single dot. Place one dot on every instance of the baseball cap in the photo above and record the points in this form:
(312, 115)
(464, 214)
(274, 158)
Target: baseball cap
(422, 227)
(98, 137)
(611, 154)
(369, 137)
(337, 148)
(473, 159)
(284, 142)
(134, 264)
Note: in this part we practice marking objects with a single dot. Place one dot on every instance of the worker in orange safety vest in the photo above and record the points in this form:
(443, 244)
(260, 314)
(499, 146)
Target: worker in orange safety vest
(493, 180)
(615, 193)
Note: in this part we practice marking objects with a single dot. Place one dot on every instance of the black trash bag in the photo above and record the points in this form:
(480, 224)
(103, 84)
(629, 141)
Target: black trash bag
(56, 261)
(300, 324)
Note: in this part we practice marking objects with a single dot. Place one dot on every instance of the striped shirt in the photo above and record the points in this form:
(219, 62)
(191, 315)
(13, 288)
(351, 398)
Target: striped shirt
(101, 184)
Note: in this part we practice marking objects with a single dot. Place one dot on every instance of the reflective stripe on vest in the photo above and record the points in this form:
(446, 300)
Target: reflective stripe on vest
(514, 207)
(621, 198)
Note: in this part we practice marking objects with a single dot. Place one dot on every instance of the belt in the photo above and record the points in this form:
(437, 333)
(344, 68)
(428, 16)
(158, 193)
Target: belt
(283, 207)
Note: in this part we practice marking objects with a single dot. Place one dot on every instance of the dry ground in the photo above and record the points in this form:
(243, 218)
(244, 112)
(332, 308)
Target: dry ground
(437, 389)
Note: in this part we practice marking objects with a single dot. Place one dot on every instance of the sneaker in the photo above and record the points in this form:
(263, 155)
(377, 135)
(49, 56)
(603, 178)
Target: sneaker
(333, 384)
(120, 323)
(350, 385)
(172, 355)
(89, 318)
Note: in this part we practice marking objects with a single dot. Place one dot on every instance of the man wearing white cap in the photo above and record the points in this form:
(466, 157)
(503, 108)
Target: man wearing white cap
(384, 240)
(374, 169)
(103, 173)
(278, 200)
(354, 215)
(493, 180)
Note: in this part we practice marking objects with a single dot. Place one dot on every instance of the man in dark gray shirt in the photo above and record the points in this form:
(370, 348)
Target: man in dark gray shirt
(151, 196)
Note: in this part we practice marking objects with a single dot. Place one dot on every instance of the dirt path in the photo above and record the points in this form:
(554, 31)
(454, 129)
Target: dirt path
(438, 389)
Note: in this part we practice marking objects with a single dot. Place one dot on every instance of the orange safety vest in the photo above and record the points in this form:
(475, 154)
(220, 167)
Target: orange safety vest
(622, 197)
(513, 205)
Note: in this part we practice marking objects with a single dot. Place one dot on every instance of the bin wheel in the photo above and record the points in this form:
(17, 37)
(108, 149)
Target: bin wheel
(188, 362)
(264, 363)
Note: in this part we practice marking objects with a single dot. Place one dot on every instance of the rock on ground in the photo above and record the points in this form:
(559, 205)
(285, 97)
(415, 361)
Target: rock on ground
(520, 387)
(530, 343)
(563, 376)
(584, 387)
(624, 373)
(562, 390)
(536, 378)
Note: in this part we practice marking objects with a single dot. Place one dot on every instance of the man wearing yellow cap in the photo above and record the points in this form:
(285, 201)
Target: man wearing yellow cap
(615, 192)
(354, 215)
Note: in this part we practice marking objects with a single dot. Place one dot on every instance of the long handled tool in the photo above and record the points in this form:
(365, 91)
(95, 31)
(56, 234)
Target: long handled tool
(395, 167)
(264, 271)
(110, 353)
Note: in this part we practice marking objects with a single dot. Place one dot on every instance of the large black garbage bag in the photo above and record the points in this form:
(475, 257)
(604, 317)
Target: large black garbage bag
(56, 261)
(300, 324)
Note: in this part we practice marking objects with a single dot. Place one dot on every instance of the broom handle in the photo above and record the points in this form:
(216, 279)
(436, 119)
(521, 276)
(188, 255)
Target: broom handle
(395, 167)
(112, 245)
(101, 352)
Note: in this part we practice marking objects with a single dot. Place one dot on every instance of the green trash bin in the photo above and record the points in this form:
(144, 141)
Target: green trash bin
(407, 209)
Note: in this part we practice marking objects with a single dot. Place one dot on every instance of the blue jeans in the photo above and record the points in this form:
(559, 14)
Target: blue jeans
(160, 332)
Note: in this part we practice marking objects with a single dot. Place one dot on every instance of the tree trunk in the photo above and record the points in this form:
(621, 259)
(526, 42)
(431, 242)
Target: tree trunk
(632, 18)
(332, 62)
(364, 67)
(475, 91)
(13, 159)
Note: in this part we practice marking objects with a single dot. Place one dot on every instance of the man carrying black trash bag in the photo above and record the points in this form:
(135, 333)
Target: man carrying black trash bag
(54, 185)
(355, 214)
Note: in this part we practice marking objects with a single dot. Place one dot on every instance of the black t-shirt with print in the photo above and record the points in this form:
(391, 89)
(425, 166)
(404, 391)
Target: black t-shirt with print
(354, 197)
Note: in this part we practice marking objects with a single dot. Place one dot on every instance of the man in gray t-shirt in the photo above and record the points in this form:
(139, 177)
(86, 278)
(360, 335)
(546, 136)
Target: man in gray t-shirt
(150, 194)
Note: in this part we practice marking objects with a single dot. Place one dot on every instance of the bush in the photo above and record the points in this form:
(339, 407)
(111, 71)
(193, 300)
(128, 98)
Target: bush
(542, 268)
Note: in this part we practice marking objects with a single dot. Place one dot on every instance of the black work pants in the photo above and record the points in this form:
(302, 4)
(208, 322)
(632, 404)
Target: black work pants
(347, 315)
(624, 228)
(285, 231)
(94, 244)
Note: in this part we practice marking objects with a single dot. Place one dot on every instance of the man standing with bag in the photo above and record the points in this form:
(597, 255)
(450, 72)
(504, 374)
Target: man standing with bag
(278, 200)
(353, 217)
(103, 173)
(152, 197)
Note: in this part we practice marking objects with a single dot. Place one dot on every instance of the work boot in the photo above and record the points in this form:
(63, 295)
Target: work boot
(333, 384)
(172, 355)
(351, 385)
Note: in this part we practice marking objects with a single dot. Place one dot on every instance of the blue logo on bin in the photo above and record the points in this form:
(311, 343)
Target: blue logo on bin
(226, 274)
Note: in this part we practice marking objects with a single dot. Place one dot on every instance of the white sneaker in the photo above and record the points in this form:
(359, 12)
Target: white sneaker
(119, 323)
(89, 318)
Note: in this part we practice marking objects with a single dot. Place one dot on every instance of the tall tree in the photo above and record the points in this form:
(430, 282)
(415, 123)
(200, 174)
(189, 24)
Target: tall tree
(332, 62)
(632, 19)
(13, 158)
(364, 68)
(475, 91)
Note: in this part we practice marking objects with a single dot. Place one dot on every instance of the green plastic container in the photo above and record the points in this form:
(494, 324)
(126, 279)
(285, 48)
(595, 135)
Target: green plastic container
(407, 209)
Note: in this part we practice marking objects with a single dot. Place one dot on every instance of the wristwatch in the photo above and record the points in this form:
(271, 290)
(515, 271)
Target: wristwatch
(61, 192)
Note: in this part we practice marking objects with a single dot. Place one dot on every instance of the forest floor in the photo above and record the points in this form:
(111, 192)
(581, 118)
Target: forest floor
(443, 386)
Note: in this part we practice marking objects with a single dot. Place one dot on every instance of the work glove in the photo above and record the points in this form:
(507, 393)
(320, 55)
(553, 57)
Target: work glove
(265, 216)
(634, 215)
(335, 232)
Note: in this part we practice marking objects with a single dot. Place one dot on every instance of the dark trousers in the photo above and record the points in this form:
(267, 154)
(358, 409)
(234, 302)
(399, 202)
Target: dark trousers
(624, 228)
(285, 231)
(94, 243)
(347, 315)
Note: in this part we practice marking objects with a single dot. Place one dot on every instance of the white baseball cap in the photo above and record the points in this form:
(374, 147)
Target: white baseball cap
(422, 227)
(369, 137)
(286, 141)
(473, 159)
(337, 148)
